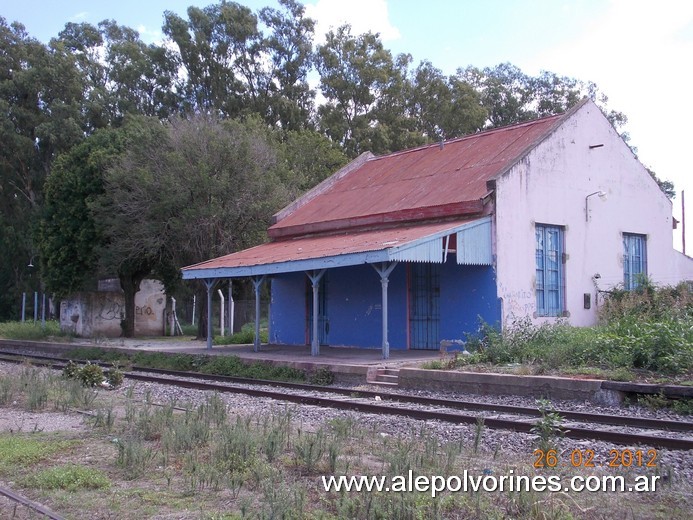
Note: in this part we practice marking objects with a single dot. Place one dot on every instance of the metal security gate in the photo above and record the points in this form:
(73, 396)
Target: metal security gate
(323, 321)
(424, 307)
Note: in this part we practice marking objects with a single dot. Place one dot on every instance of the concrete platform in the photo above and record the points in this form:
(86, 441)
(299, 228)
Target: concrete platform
(282, 353)
(361, 366)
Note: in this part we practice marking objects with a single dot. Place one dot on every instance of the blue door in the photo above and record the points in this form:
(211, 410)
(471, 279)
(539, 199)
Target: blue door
(323, 322)
(424, 306)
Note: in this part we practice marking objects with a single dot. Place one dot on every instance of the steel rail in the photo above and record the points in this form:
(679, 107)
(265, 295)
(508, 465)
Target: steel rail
(615, 420)
(35, 506)
(426, 415)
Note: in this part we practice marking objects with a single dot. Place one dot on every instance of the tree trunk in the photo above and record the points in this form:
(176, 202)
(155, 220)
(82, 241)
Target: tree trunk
(130, 278)
(130, 287)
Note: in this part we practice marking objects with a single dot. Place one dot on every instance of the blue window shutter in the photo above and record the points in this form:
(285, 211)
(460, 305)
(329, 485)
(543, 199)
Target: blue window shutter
(634, 260)
(550, 275)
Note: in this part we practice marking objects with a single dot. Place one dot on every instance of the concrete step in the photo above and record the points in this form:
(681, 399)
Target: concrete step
(386, 377)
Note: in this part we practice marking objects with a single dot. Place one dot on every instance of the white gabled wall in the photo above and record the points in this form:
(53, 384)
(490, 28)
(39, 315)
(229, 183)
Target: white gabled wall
(549, 186)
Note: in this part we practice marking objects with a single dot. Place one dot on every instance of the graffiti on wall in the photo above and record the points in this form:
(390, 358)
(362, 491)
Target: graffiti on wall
(110, 310)
(517, 303)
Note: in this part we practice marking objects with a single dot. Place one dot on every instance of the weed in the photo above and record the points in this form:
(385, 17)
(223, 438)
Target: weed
(309, 449)
(683, 406)
(323, 376)
(104, 418)
(37, 394)
(134, 456)
(7, 390)
(91, 375)
(478, 433)
(114, 376)
(548, 428)
(245, 337)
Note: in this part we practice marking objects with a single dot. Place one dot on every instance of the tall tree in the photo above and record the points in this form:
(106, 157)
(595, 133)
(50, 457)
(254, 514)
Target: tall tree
(444, 108)
(511, 96)
(69, 235)
(40, 101)
(234, 69)
(289, 51)
(120, 73)
(308, 158)
(200, 189)
(358, 78)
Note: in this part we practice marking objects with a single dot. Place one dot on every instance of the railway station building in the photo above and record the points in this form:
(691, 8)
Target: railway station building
(415, 248)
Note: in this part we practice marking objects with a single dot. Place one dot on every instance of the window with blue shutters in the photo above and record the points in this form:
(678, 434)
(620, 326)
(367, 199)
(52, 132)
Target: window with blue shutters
(550, 276)
(634, 260)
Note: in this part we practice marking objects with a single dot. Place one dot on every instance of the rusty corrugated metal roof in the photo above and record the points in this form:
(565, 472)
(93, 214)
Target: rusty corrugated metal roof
(429, 176)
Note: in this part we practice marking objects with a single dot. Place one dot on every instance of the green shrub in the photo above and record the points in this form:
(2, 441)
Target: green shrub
(245, 337)
(322, 376)
(233, 366)
(71, 370)
(114, 377)
(91, 375)
(648, 329)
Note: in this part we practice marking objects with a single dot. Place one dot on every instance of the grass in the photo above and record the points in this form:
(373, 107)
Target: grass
(208, 461)
(70, 477)
(245, 336)
(646, 333)
(219, 365)
(31, 331)
(20, 451)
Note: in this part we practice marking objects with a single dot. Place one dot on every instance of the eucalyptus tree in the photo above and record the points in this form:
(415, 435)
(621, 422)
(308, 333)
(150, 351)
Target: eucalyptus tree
(444, 107)
(362, 84)
(120, 74)
(40, 101)
(232, 68)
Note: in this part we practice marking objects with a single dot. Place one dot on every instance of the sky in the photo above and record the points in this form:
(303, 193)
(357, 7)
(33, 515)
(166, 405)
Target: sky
(639, 52)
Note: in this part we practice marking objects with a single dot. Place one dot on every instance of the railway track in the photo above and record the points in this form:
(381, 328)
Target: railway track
(578, 425)
(30, 504)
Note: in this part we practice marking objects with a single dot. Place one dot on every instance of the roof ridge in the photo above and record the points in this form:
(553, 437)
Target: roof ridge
(475, 135)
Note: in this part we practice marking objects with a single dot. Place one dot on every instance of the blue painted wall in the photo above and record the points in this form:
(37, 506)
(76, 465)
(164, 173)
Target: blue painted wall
(354, 305)
(287, 318)
(467, 292)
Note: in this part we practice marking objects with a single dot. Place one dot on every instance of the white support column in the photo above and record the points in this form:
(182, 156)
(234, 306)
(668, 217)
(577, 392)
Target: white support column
(384, 271)
(222, 311)
(257, 282)
(209, 283)
(315, 277)
(231, 308)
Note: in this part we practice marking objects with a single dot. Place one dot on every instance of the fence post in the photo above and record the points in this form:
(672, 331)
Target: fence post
(221, 313)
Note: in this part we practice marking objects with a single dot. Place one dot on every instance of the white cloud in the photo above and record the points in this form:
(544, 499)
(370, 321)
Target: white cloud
(150, 35)
(639, 54)
(79, 17)
(362, 15)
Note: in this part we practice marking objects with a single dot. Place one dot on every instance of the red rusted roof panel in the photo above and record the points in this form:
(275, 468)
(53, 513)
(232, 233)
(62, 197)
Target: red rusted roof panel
(422, 177)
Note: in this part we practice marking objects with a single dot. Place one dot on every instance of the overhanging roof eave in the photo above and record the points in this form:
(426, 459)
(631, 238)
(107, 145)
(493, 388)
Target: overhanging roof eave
(291, 266)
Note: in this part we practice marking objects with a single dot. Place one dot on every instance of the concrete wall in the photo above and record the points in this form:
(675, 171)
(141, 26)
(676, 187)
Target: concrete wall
(354, 305)
(549, 186)
(93, 314)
